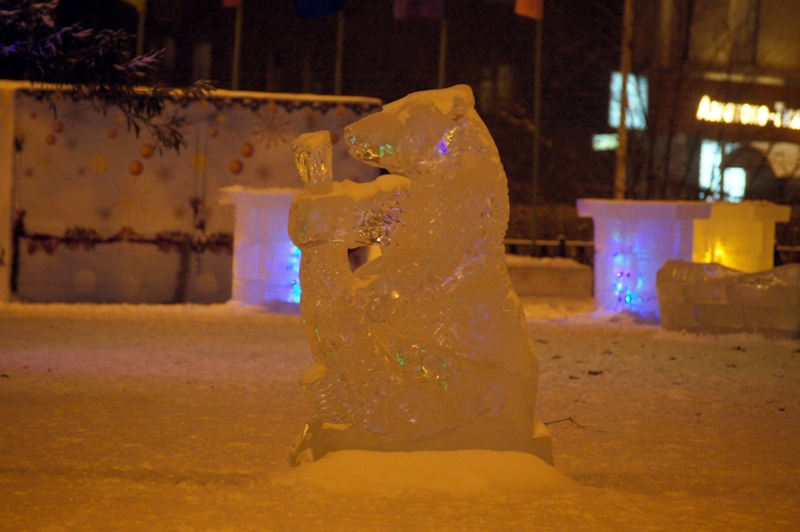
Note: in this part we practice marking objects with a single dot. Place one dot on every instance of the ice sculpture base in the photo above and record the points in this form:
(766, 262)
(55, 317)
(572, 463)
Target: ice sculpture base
(461, 474)
(319, 439)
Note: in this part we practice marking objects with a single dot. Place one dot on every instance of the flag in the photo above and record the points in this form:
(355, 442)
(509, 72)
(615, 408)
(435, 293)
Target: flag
(418, 9)
(231, 3)
(308, 9)
(530, 8)
(138, 4)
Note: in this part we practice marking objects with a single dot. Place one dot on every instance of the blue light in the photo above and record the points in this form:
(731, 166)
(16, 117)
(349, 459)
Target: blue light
(296, 293)
(293, 266)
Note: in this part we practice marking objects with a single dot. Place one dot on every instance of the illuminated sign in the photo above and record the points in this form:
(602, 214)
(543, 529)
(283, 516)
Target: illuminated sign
(748, 114)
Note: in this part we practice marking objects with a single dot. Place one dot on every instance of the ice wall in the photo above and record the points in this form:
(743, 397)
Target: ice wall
(713, 298)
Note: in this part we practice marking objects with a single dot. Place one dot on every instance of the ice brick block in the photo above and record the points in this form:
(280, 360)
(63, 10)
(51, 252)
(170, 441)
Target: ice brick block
(423, 347)
(721, 299)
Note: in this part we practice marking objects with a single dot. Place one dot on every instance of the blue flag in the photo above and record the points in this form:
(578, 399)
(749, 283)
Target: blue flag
(307, 9)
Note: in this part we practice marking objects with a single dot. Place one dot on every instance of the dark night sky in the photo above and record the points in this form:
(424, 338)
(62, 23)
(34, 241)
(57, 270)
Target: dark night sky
(386, 58)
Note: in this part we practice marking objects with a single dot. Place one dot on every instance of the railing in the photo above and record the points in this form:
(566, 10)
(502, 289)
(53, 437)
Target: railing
(583, 250)
(786, 255)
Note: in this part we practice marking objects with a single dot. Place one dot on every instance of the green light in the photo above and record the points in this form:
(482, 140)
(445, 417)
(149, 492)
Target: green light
(444, 385)
(400, 360)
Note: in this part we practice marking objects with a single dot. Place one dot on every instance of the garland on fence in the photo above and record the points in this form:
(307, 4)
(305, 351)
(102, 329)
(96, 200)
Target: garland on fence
(80, 237)
(184, 99)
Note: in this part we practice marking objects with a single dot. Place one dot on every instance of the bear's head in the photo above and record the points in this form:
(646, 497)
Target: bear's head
(414, 135)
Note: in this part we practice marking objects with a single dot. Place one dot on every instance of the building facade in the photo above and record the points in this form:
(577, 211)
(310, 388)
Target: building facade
(724, 99)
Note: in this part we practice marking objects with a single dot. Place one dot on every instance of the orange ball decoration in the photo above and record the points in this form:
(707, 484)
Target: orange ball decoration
(135, 168)
(213, 132)
(236, 166)
(58, 127)
(146, 151)
(247, 149)
(112, 133)
(50, 139)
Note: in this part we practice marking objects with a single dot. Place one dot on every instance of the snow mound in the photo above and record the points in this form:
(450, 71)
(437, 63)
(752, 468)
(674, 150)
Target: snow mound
(460, 474)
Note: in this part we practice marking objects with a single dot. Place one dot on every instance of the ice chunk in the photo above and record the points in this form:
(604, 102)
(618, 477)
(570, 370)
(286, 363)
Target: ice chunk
(423, 347)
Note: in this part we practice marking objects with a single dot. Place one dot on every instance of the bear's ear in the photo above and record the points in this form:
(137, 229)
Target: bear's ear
(463, 100)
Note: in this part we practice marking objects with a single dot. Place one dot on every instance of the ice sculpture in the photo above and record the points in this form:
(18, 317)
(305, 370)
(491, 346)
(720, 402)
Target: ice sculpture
(713, 298)
(424, 347)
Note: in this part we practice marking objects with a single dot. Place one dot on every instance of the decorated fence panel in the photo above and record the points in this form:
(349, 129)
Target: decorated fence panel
(100, 214)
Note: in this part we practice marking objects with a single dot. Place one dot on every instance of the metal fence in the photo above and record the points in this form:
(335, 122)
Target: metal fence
(583, 250)
(580, 250)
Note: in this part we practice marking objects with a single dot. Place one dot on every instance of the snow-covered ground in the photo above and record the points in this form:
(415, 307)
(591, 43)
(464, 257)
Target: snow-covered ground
(179, 418)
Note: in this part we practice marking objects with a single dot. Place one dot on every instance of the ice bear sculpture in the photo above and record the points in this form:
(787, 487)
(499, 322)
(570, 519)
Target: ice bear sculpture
(424, 347)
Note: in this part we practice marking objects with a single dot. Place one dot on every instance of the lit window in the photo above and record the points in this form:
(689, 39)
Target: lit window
(728, 185)
(636, 112)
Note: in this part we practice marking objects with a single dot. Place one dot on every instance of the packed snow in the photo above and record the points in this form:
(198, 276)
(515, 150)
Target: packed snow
(135, 418)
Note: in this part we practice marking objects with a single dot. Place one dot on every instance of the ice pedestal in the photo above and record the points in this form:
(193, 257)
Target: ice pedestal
(739, 235)
(265, 261)
(633, 240)
(712, 298)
